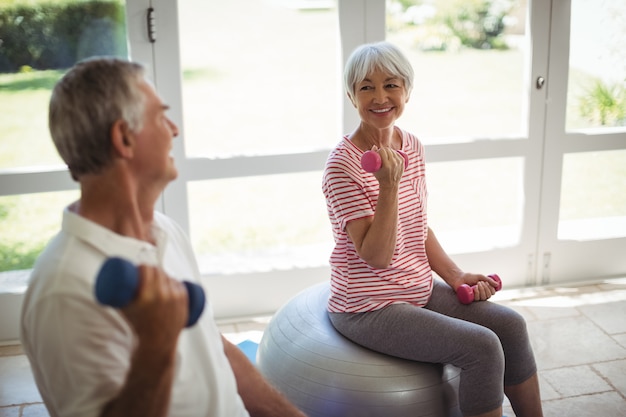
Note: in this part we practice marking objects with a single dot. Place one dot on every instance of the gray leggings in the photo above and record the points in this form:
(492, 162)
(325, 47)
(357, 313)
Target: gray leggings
(489, 342)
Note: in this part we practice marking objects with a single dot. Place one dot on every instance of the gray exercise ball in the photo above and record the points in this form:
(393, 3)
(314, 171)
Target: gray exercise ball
(326, 375)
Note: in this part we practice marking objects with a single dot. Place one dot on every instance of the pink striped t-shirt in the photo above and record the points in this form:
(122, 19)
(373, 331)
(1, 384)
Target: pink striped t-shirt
(351, 193)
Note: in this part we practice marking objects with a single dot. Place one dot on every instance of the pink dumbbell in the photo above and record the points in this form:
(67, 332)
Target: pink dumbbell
(466, 293)
(371, 161)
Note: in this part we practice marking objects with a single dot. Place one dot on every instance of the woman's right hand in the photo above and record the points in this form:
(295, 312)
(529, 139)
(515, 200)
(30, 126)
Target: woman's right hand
(392, 167)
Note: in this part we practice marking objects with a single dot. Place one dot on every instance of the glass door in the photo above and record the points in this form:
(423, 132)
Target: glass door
(583, 226)
(40, 40)
(258, 84)
(477, 107)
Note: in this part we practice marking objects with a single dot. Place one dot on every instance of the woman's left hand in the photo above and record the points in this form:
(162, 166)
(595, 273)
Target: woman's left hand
(484, 286)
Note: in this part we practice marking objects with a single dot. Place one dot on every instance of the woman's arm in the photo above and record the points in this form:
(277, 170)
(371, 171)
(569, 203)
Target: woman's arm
(259, 397)
(454, 276)
(375, 237)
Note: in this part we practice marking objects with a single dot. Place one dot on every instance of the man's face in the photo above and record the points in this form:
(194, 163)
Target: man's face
(154, 141)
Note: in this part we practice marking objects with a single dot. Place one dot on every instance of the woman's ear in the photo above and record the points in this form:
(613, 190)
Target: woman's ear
(121, 138)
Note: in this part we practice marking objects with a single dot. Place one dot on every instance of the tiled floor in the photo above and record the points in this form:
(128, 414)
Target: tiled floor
(578, 334)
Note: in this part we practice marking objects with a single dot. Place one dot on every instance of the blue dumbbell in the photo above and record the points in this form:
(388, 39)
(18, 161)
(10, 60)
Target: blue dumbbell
(117, 281)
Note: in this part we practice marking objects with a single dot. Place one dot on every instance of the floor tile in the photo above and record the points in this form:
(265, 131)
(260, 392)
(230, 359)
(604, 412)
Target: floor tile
(227, 328)
(608, 404)
(547, 312)
(17, 385)
(570, 342)
(547, 306)
(11, 350)
(35, 410)
(578, 335)
(615, 373)
(609, 316)
(620, 338)
(613, 284)
(253, 325)
(547, 391)
(252, 335)
(10, 412)
(576, 381)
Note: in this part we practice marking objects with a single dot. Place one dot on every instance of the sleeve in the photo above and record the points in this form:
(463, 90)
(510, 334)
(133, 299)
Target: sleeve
(81, 351)
(346, 196)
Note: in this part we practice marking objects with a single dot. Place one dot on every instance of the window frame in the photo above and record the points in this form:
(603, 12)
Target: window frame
(363, 21)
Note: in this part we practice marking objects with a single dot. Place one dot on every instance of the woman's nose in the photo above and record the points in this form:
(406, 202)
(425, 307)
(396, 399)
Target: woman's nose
(380, 96)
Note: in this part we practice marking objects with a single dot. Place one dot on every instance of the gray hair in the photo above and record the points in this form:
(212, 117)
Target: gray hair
(85, 104)
(382, 56)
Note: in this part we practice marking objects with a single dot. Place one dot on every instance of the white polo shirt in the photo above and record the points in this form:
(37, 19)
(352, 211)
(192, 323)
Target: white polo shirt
(80, 351)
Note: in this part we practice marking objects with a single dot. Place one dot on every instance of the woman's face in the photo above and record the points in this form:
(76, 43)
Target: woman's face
(380, 99)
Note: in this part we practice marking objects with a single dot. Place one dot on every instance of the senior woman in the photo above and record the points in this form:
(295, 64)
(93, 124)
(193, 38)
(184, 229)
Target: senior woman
(383, 292)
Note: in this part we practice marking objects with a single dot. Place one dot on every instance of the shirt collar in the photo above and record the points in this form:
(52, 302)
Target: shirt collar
(112, 244)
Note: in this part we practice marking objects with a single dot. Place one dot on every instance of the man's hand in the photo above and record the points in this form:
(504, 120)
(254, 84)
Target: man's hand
(159, 312)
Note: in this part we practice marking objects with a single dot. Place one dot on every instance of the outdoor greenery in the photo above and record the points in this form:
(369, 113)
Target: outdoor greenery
(478, 24)
(27, 222)
(18, 255)
(604, 104)
(55, 35)
(15, 254)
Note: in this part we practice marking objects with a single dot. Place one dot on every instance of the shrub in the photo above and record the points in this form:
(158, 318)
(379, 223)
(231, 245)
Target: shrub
(604, 104)
(449, 24)
(16, 256)
(478, 24)
(55, 36)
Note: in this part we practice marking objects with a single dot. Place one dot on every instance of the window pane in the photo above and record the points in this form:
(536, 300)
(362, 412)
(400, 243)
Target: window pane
(259, 223)
(596, 94)
(469, 62)
(27, 222)
(46, 39)
(470, 209)
(259, 77)
(593, 196)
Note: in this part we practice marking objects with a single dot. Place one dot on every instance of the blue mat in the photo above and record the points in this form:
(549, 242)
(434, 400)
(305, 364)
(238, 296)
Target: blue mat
(249, 348)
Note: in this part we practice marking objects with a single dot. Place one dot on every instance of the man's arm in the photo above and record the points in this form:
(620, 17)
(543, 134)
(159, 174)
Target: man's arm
(157, 316)
(259, 397)
(148, 386)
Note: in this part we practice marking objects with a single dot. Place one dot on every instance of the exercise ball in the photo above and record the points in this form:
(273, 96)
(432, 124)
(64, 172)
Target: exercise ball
(327, 375)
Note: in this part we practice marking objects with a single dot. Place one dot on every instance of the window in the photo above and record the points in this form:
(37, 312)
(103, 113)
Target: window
(469, 60)
(30, 65)
(596, 96)
(260, 82)
(260, 103)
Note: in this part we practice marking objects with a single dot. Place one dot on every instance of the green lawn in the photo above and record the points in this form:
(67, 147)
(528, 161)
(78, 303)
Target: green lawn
(24, 138)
